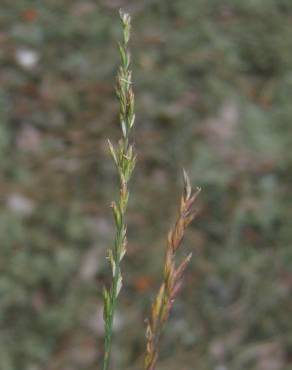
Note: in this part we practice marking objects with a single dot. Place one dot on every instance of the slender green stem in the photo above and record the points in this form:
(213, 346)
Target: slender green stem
(124, 158)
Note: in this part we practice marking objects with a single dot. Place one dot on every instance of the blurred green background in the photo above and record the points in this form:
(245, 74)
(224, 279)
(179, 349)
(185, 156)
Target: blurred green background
(213, 84)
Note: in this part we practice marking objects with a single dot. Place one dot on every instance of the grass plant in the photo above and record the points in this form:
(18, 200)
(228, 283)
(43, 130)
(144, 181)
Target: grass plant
(124, 158)
(172, 276)
(215, 97)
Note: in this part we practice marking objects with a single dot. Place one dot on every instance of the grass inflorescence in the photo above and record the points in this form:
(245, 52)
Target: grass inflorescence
(124, 158)
(172, 276)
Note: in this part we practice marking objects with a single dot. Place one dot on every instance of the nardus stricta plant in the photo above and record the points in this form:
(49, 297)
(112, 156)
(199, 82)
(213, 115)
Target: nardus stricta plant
(124, 158)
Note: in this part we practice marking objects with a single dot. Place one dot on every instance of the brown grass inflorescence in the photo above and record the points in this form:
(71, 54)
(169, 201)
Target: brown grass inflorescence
(172, 277)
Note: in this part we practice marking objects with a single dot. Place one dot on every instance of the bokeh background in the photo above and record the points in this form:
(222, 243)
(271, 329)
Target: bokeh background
(213, 83)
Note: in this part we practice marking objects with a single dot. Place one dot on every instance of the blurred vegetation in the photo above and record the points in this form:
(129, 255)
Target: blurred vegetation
(213, 82)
